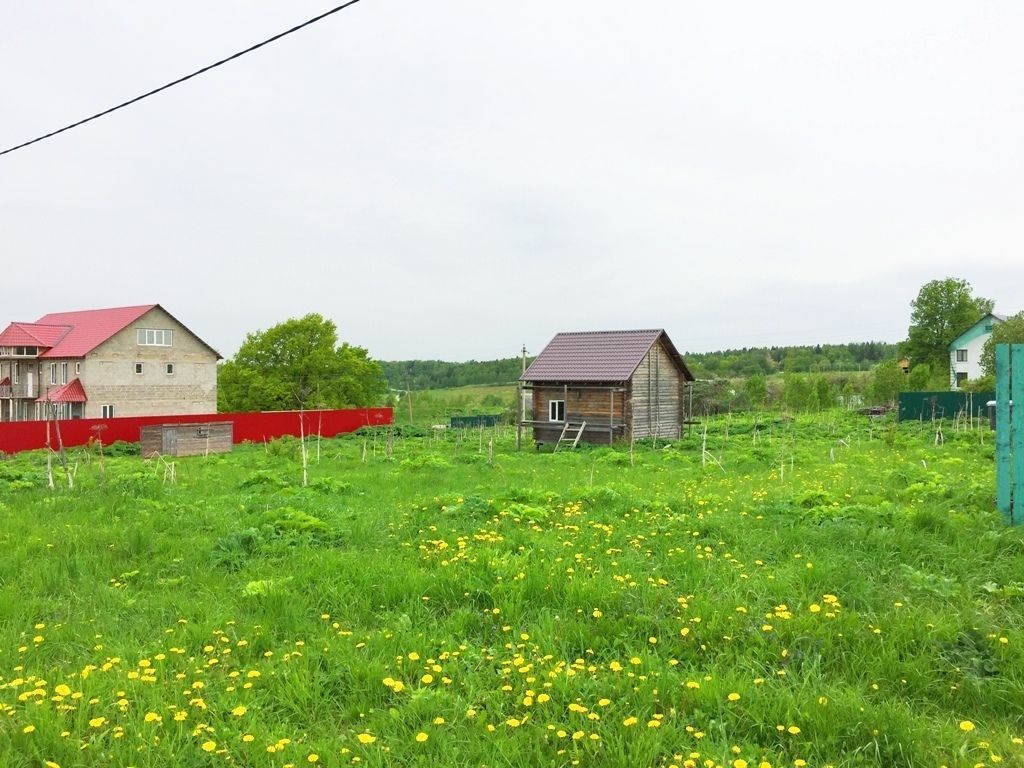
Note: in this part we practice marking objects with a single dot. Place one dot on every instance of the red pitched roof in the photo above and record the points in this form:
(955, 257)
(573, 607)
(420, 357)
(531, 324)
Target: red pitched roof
(72, 392)
(90, 328)
(599, 356)
(32, 335)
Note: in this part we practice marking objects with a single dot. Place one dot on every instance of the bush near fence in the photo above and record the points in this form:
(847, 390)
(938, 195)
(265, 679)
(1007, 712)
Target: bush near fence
(18, 436)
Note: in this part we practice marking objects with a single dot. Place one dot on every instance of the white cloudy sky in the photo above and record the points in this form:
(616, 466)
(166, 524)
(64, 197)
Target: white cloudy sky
(453, 179)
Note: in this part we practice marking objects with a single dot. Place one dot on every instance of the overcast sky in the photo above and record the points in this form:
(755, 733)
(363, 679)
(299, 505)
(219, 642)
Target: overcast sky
(453, 179)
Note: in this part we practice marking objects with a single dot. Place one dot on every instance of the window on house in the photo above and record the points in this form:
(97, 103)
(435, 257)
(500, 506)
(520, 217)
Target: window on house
(961, 377)
(78, 369)
(961, 355)
(138, 367)
(108, 412)
(53, 373)
(988, 329)
(170, 369)
(63, 373)
(556, 410)
(153, 337)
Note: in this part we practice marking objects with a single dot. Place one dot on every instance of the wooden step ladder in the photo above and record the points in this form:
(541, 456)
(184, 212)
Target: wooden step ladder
(567, 434)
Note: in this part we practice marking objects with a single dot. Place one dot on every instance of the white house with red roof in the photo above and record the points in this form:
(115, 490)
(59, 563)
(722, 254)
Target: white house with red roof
(104, 363)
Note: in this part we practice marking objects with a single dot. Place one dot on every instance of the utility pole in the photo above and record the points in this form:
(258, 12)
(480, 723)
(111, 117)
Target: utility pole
(408, 394)
(521, 408)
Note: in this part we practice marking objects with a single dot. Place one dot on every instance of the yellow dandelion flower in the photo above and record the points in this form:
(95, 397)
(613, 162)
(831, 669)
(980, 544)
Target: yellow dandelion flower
(793, 729)
(28, 729)
(209, 746)
(438, 721)
(629, 721)
(427, 679)
(97, 722)
(739, 762)
(604, 702)
(239, 711)
(654, 723)
(313, 757)
(966, 725)
(421, 737)
(152, 717)
(578, 735)
(366, 738)
(248, 737)
(734, 697)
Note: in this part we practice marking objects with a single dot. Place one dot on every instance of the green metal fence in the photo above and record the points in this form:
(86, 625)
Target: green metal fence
(480, 420)
(943, 405)
(1010, 431)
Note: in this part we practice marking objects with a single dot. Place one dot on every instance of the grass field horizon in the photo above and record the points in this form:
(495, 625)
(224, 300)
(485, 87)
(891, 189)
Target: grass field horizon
(818, 590)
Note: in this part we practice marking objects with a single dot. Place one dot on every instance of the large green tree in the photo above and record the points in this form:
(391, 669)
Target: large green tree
(298, 364)
(942, 311)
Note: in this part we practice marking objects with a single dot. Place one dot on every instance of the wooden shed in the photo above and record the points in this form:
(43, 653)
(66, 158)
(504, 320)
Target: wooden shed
(605, 386)
(187, 439)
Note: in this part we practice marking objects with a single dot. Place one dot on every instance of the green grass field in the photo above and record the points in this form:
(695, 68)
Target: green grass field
(824, 591)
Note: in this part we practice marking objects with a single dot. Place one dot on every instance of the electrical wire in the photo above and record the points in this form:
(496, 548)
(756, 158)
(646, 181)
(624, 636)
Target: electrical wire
(180, 80)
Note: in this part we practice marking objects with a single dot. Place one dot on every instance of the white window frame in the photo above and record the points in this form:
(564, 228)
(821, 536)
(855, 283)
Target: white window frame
(108, 412)
(78, 369)
(961, 355)
(153, 337)
(53, 373)
(63, 373)
(139, 369)
(553, 409)
(169, 369)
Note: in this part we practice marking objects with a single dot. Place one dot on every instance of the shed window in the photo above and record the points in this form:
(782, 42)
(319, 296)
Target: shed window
(556, 410)
(961, 355)
(138, 367)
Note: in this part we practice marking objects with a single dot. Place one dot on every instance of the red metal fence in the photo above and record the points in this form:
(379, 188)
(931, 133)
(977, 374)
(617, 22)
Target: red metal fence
(28, 435)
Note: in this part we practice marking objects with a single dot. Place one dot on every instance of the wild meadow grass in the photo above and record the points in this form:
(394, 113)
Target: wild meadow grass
(824, 591)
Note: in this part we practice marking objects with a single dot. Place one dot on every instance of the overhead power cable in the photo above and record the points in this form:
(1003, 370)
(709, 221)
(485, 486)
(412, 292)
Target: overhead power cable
(250, 49)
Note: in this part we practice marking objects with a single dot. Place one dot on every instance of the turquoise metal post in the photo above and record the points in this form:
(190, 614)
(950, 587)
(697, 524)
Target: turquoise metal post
(1004, 501)
(1017, 433)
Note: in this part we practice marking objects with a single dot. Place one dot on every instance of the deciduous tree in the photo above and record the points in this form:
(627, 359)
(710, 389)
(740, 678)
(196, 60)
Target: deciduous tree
(942, 311)
(298, 364)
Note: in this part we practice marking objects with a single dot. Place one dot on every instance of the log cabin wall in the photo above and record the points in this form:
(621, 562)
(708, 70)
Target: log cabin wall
(600, 408)
(656, 397)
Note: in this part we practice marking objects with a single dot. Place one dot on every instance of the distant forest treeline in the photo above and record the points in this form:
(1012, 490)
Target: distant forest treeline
(436, 374)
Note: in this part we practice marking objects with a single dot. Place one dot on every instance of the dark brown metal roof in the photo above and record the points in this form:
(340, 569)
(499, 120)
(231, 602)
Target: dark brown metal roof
(599, 356)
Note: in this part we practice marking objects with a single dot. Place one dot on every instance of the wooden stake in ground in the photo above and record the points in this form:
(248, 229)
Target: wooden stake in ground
(49, 456)
(302, 442)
